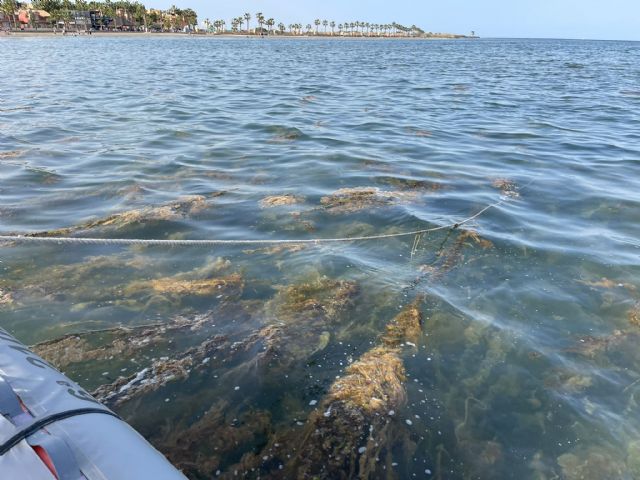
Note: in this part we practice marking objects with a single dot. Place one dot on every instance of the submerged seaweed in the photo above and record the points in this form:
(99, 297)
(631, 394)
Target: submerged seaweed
(354, 427)
(181, 208)
(349, 200)
(507, 187)
(280, 200)
(6, 298)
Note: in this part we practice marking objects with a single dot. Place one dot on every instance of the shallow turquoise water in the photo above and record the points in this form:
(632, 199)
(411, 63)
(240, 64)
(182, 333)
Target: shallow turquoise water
(528, 367)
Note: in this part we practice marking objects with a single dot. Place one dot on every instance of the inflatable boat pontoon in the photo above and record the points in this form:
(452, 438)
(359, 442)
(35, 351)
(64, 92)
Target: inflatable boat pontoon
(51, 429)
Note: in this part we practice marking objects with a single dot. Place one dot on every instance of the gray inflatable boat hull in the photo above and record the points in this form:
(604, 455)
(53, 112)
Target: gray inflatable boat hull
(50, 428)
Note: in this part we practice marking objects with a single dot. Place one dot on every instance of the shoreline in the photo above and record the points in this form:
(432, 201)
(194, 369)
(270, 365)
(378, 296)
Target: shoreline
(32, 34)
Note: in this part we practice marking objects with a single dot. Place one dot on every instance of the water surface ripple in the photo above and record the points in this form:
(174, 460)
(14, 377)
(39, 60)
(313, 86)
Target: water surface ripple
(527, 366)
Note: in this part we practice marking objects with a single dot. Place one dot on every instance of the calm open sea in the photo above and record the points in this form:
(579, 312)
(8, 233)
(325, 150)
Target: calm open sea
(526, 362)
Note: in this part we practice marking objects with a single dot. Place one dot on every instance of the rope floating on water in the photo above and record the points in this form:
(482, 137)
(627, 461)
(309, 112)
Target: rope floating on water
(214, 242)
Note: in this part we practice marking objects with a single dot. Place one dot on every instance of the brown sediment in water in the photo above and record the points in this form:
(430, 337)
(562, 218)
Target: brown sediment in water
(176, 210)
(280, 200)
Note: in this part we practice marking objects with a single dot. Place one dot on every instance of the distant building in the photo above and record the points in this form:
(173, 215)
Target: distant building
(81, 20)
(26, 17)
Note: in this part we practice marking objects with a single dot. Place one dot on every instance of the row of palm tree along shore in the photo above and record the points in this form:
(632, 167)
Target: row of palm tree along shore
(267, 26)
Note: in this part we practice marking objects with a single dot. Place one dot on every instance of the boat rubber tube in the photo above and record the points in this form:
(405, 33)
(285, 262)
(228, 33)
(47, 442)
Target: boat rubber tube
(52, 429)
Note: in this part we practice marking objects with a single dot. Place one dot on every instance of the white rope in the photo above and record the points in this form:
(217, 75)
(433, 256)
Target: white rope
(213, 242)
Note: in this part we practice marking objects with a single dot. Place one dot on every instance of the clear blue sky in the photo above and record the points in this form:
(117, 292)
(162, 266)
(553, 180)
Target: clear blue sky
(599, 19)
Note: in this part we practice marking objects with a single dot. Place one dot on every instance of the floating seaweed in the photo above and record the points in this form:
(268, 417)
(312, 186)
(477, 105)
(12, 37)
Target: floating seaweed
(590, 346)
(608, 284)
(405, 327)
(411, 184)
(178, 287)
(320, 297)
(591, 463)
(634, 315)
(354, 427)
(280, 200)
(276, 249)
(119, 341)
(158, 374)
(84, 281)
(6, 297)
(200, 450)
(418, 132)
(507, 187)
(11, 154)
(285, 135)
(349, 200)
(176, 210)
(449, 258)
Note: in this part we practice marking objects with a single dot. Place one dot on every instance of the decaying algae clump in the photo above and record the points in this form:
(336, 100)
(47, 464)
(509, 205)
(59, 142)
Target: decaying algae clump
(319, 296)
(280, 200)
(349, 200)
(507, 187)
(6, 298)
(181, 208)
(634, 315)
(352, 434)
(181, 287)
(591, 463)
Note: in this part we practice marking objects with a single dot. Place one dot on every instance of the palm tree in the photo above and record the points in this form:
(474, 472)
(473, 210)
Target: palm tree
(282, 27)
(324, 24)
(309, 28)
(9, 9)
(260, 19)
(317, 24)
(270, 23)
(333, 27)
(247, 17)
